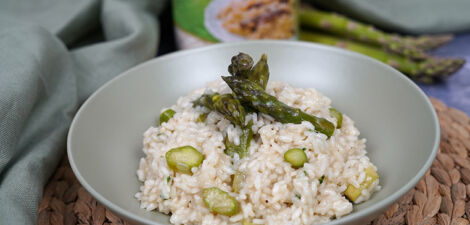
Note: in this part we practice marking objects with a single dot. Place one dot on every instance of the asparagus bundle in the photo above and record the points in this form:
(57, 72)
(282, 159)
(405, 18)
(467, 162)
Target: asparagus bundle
(411, 47)
(427, 71)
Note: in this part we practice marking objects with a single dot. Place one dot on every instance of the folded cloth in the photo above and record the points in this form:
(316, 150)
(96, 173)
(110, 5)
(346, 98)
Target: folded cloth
(44, 76)
(406, 16)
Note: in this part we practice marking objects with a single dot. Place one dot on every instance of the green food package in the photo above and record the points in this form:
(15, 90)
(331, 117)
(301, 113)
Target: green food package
(203, 22)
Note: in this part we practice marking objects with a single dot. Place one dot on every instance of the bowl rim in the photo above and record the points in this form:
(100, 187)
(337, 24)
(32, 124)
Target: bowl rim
(343, 220)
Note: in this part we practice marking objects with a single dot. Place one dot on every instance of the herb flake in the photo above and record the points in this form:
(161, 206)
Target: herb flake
(322, 178)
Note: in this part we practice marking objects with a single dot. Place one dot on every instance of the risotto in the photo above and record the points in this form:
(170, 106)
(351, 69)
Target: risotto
(289, 174)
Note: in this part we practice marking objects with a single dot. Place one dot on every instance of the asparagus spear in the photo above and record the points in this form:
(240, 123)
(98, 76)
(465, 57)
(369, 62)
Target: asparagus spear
(427, 71)
(205, 101)
(241, 66)
(245, 140)
(254, 95)
(230, 107)
(411, 47)
(260, 72)
(232, 110)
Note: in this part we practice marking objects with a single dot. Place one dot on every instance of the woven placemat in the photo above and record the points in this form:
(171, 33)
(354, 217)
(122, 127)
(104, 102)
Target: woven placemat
(441, 197)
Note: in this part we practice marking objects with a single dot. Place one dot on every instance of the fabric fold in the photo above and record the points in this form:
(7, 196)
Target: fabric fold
(43, 80)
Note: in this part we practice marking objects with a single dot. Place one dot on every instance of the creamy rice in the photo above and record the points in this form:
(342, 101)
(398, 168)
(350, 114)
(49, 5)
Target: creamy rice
(274, 192)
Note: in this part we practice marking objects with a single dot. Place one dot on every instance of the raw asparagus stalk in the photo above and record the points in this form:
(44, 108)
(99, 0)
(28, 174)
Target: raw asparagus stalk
(411, 47)
(254, 95)
(427, 71)
(242, 66)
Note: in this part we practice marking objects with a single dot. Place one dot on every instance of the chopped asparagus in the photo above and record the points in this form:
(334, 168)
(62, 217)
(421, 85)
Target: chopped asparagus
(202, 117)
(166, 115)
(248, 222)
(238, 180)
(428, 71)
(245, 140)
(339, 117)
(183, 159)
(220, 202)
(296, 157)
(254, 95)
(352, 192)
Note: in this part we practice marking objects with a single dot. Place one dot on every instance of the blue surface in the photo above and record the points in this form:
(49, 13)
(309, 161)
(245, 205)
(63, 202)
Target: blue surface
(455, 91)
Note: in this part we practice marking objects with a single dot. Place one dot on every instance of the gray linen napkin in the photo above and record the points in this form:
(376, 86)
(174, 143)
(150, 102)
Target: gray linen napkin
(44, 78)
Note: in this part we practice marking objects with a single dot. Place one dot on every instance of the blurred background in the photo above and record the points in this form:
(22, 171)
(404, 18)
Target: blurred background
(426, 40)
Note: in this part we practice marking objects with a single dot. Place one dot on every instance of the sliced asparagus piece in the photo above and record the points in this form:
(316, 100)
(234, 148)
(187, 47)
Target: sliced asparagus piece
(296, 157)
(339, 117)
(256, 97)
(352, 192)
(428, 71)
(166, 115)
(410, 47)
(238, 181)
(220, 202)
(183, 159)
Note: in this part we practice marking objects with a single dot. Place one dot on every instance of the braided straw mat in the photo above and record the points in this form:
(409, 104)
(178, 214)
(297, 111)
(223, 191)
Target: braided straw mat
(441, 197)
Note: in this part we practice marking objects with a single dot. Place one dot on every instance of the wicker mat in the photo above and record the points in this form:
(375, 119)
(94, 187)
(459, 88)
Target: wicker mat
(439, 198)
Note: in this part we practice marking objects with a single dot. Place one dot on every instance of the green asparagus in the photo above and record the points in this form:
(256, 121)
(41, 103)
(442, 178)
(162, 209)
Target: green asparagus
(166, 115)
(256, 97)
(205, 101)
(339, 117)
(245, 140)
(296, 157)
(202, 117)
(428, 71)
(238, 181)
(230, 107)
(220, 202)
(260, 72)
(183, 159)
(410, 47)
(234, 111)
(352, 192)
(241, 65)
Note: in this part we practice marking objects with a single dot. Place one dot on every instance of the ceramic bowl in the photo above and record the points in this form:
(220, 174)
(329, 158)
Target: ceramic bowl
(392, 113)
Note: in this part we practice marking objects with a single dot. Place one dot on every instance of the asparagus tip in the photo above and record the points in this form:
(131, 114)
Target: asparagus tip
(434, 68)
